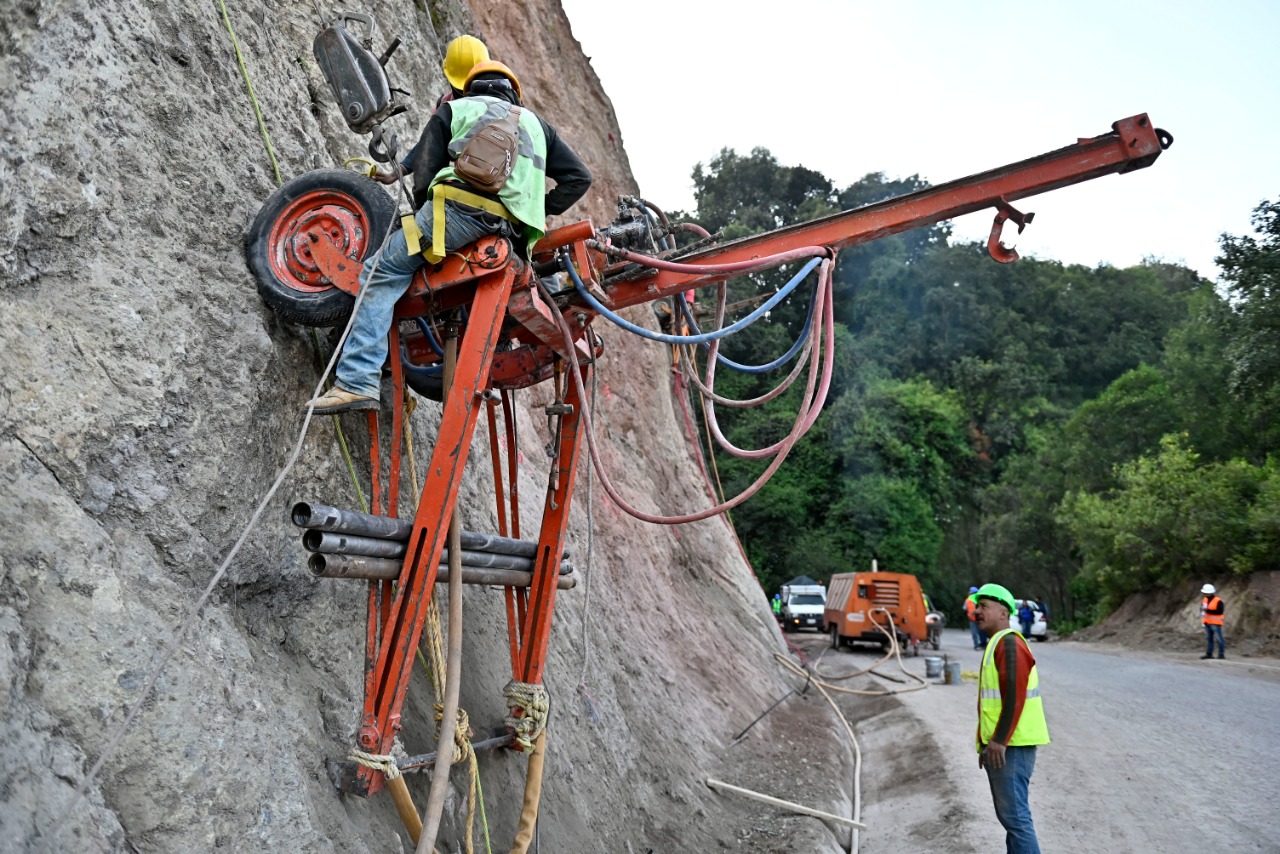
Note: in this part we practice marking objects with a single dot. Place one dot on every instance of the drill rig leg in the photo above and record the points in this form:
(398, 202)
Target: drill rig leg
(401, 629)
(555, 521)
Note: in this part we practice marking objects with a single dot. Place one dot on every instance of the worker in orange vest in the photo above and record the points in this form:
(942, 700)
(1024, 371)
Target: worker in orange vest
(971, 611)
(1211, 611)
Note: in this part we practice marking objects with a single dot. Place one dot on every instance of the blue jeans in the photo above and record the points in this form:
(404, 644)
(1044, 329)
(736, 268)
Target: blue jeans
(1009, 787)
(389, 274)
(1210, 632)
(979, 639)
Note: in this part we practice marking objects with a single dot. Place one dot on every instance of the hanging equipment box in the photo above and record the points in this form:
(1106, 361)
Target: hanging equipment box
(357, 77)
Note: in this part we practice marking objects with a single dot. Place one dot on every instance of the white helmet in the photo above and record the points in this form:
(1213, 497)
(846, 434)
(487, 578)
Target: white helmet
(1209, 590)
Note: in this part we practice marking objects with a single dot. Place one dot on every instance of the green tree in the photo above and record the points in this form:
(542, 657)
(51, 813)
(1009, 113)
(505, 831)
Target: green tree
(1251, 267)
(1168, 519)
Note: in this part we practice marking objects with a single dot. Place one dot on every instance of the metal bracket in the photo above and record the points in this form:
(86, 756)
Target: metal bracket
(1005, 211)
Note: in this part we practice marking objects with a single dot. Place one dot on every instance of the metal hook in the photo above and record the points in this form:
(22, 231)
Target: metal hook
(383, 146)
(1005, 211)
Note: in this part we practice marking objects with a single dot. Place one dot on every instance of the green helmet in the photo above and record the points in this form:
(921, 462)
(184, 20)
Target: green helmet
(996, 593)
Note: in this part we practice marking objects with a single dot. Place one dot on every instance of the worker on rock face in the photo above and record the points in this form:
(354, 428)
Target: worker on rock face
(452, 213)
(1011, 720)
(463, 54)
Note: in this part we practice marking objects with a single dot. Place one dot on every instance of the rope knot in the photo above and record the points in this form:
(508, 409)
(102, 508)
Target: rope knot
(532, 704)
(378, 762)
(462, 733)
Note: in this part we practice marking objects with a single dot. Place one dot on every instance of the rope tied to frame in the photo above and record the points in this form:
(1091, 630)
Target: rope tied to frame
(378, 762)
(533, 704)
(461, 733)
(462, 750)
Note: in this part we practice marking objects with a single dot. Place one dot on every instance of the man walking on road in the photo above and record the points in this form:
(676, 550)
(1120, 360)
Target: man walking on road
(1011, 718)
(1211, 613)
(970, 610)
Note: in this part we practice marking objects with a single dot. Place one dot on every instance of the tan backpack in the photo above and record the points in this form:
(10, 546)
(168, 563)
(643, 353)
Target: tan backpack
(489, 157)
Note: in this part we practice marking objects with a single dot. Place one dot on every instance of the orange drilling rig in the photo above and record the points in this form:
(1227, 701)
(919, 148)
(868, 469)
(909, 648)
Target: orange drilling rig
(484, 322)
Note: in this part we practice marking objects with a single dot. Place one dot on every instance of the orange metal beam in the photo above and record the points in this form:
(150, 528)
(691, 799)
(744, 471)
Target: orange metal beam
(536, 631)
(1133, 144)
(403, 629)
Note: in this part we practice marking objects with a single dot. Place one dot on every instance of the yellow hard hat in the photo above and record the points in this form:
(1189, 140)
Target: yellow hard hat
(490, 66)
(459, 57)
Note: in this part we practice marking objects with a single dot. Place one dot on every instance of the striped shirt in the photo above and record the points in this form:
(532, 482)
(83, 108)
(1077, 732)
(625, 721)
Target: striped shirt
(1013, 661)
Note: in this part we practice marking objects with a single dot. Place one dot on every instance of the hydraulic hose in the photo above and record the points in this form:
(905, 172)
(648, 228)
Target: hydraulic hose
(598, 465)
(664, 338)
(809, 410)
(756, 369)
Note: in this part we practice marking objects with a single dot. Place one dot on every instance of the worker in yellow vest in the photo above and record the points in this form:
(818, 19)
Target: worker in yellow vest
(1011, 719)
(1211, 613)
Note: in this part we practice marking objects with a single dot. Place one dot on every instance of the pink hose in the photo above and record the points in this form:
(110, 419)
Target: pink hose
(785, 445)
(811, 407)
(735, 267)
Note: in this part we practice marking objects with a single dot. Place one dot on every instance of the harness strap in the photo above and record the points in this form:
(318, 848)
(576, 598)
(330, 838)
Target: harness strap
(441, 193)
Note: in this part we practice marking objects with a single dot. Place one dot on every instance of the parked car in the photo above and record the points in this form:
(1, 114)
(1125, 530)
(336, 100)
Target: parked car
(1039, 626)
(935, 621)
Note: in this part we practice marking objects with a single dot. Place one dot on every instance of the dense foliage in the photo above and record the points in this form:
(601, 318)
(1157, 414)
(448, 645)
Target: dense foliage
(1076, 433)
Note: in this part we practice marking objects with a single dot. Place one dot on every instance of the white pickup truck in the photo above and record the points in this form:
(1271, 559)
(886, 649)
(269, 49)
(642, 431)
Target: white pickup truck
(802, 606)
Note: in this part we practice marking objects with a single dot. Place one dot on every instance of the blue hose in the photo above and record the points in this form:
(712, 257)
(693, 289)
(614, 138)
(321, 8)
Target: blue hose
(431, 338)
(756, 369)
(737, 326)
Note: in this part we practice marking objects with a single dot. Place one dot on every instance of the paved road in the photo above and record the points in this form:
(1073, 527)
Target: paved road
(1151, 752)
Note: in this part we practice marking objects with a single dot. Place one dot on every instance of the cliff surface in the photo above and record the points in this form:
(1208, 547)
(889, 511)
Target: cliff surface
(150, 399)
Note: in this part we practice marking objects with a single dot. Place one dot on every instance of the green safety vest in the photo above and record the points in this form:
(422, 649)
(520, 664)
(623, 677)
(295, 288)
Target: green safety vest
(524, 194)
(1031, 728)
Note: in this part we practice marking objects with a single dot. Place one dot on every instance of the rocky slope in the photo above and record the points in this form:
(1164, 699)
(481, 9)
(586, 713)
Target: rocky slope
(150, 399)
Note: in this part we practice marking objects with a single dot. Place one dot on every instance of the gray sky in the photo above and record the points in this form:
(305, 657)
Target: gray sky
(948, 89)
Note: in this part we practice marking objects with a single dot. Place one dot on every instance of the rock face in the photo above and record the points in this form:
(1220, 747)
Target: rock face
(150, 399)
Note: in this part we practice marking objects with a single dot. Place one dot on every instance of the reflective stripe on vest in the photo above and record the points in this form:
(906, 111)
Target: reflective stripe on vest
(524, 194)
(1207, 618)
(1032, 727)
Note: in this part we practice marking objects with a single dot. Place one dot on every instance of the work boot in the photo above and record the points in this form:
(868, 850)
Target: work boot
(1206, 655)
(338, 399)
(1221, 655)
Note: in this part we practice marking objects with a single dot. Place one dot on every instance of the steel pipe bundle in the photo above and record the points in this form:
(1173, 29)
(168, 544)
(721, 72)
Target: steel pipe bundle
(351, 544)
(388, 569)
(322, 517)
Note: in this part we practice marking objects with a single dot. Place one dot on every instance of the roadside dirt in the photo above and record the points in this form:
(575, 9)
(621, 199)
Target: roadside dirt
(921, 789)
(1169, 620)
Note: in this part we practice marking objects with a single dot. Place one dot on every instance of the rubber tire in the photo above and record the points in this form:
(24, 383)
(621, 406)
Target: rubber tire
(835, 637)
(351, 191)
(432, 388)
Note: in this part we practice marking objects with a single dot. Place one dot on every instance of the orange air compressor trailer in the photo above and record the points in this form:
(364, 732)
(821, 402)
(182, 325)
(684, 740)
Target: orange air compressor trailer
(862, 605)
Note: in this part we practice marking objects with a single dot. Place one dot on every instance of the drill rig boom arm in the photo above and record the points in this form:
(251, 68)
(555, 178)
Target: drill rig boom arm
(1133, 144)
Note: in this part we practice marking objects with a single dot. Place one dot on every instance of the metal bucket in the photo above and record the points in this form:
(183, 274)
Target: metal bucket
(932, 667)
(952, 675)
